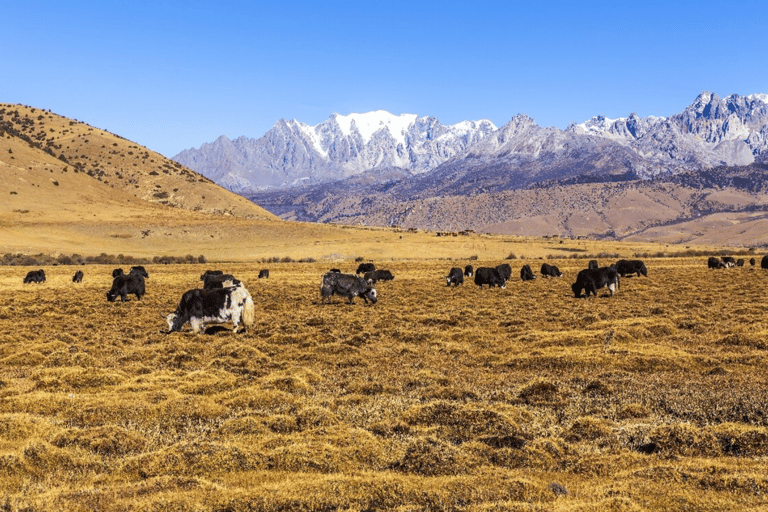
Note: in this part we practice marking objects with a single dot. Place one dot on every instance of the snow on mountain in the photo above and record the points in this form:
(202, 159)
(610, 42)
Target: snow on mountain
(294, 153)
(710, 132)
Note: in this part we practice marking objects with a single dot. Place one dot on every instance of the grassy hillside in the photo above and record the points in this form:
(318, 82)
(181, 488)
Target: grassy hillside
(432, 399)
(40, 150)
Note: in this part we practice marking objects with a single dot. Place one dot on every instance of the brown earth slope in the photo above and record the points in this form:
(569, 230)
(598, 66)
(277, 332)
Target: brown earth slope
(38, 149)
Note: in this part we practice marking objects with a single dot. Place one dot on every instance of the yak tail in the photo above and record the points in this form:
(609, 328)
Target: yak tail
(249, 312)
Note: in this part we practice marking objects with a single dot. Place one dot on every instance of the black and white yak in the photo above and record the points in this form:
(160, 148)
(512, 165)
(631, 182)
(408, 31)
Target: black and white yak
(455, 277)
(199, 307)
(592, 279)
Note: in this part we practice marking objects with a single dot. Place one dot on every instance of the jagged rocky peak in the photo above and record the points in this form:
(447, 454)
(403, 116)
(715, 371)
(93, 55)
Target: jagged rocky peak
(711, 131)
(293, 152)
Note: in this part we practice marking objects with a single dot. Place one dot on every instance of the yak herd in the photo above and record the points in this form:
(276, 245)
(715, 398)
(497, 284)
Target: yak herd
(588, 280)
(223, 298)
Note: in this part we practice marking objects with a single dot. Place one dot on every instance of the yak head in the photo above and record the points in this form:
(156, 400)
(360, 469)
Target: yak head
(111, 295)
(174, 321)
(369, 294)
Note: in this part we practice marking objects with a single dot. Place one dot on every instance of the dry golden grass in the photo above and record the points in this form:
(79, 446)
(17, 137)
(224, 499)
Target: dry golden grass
(432, 399)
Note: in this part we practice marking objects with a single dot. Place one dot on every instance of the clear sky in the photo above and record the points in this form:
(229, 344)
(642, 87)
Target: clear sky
(172, 75)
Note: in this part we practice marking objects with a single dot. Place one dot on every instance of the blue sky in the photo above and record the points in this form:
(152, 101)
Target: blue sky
(172, 75)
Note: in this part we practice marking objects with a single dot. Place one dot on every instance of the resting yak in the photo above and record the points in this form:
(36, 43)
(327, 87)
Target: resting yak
(346, 285)
(592, 279)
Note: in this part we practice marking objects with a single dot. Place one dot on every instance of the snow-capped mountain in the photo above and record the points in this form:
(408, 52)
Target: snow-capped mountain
(475, 155)
(294, 153)
(712, 131)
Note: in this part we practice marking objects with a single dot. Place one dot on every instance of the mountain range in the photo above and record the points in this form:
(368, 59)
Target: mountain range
(476, 156)
(685, 178)
(293, 153)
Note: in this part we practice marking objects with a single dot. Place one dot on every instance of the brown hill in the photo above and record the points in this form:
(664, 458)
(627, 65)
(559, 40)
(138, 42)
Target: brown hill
(40, 150)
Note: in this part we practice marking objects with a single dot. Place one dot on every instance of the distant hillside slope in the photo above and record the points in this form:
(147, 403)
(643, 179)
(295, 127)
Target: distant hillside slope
(725, 205)
(47, 160)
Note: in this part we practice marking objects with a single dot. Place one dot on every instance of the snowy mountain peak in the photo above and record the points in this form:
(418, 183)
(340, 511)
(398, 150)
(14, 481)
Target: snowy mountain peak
(599, 124)
(370, 122)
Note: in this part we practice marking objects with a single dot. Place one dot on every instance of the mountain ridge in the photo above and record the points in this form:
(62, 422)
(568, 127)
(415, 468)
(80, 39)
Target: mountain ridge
(711, 131)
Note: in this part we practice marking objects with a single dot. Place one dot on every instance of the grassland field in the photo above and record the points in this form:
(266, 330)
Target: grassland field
(434, 398)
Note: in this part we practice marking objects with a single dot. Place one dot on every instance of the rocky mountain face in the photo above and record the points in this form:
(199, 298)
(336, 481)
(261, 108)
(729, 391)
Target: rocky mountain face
(711, 131)
(475, 156)
(596, 178)
(293, 153)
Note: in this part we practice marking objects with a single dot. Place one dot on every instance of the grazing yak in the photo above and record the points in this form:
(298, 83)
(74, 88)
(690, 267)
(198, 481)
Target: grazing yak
(211, 273)
(346, 285)
(365, 267)
(526, 274)
(139, 269)
(489, 276)
(548, 270)
(78, 277)
(264, 273)
(592, 279)
(593, 264)
(468, 271)
(729, 261)
(715, 262)
(505, 271)
(763, 262)
(35, 276)
(626, 267)
(378, 275)
(134, 270)
(455, 277)
(220, 305)
(124, 285)
(752, 261)
(213, 281)
(740, 262)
